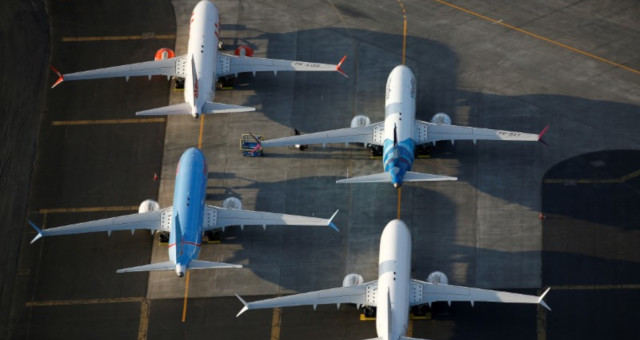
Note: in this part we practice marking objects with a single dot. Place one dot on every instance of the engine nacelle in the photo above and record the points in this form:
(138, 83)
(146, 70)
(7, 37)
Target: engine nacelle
(441, 118)
(360, 121)
(244, 51)
(438, 278)
(148, 206)
(232, 203)
(352, 279)
(164, 53)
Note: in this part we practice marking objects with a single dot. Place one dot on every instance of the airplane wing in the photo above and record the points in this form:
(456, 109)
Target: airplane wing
(216, 217)
(429, 132)
(230, 64)
(353, 294)
(370, 134)
(165, 67)
(149, 220)
(425, 292)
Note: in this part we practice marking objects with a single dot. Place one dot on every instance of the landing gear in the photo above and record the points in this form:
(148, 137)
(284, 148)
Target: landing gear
(369, 312)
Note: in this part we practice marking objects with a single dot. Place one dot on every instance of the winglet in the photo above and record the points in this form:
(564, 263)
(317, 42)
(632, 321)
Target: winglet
(542, 303)
(339, 69)
(542, 134)
(37, 230)
(331, 225)
(60, 76)
(245, 308)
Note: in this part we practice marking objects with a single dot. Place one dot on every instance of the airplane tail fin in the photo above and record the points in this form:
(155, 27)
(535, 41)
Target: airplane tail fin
(177, 109)
(211, 107)
(194, 264)
(385, 177)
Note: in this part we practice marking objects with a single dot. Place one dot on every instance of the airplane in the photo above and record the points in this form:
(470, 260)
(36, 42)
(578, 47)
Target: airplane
(394, 292)
(400, 132)
(186, 220)
(200, 67)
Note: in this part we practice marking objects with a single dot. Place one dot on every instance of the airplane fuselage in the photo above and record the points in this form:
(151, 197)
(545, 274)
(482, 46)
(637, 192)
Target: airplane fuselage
(399, 123)
(204, 34)
(394, 281)
(188, 209)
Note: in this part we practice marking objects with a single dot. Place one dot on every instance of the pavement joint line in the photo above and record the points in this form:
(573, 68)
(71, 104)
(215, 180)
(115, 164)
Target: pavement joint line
(276, 320)
(557, 43)
(593, 180)
(51, 303)
(108, 121)
(541, 322)
(120, 37)
(598, 287)
(88, 209)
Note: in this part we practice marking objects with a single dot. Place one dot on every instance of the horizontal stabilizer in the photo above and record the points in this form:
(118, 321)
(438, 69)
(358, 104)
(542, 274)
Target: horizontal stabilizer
(385, 177)
(411, 176)
(211, 107)
(194, 264)
(149, 267)
(177, 109)
(197, 264)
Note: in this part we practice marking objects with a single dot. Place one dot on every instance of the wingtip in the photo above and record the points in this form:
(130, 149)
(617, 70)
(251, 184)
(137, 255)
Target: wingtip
(245, 308)
(39, 235)
(339, 68)
(540, 299)
(60, 76)
(542, 133)
(331, 224)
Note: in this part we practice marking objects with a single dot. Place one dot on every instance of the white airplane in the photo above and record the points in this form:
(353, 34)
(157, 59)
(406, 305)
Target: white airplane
(200, 67)
(394, 292)
(400, 132)
(186, 220)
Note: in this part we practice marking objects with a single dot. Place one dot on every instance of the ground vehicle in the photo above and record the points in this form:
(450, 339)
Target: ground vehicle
(250, 145)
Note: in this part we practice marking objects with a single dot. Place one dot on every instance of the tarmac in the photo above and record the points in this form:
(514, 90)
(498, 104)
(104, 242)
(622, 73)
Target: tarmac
(519, 218)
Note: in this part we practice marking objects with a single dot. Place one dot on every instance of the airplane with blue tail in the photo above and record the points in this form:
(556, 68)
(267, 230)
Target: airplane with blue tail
(186, 220)
(400, 132)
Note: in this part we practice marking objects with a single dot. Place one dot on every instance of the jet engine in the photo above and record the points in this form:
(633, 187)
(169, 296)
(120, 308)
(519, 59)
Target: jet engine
(438, 278)
(441, 118)
(164, 53)
(360, 121)
(352, 279)
(148, 206)
(244, 51)
(232, 203)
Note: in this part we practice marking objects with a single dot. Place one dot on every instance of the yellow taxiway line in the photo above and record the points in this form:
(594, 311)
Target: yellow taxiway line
(201, 130)
(276, 319)
(108, 121)
(399, 201)
(186, 296)
(144, 36)
(404, 31)
(559, 44)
